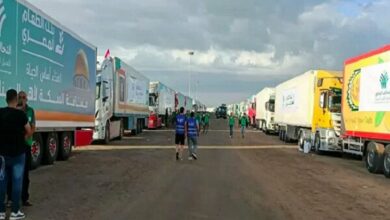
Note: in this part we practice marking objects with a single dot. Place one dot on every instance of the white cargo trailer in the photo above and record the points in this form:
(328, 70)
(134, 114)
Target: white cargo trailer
(294, 104)
(265, 110)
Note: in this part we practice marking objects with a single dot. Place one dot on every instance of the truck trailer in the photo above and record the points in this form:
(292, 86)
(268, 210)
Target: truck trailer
(265, 110)
(57, 70)
(162, 104)
(122, 100)
(308, 109)
(366, 109)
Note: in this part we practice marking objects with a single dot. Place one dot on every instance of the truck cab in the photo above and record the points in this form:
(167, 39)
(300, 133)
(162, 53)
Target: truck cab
(104, 102)
(269, 124)
(326, 125)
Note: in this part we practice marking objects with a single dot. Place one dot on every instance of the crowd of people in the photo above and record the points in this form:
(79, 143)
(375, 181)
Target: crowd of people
(17, 125)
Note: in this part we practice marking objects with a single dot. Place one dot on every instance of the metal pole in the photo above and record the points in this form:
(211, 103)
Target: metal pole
(189, 74)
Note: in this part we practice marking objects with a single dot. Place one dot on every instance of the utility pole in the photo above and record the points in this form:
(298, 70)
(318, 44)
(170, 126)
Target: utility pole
(191, 53)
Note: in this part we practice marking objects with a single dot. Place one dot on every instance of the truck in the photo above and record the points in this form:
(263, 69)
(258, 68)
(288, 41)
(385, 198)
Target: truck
(308, 109)
(366, 109)
(265, 110)
(221, 112)
(161, 104)
(57, 70)
(122, 100)
(180, 101)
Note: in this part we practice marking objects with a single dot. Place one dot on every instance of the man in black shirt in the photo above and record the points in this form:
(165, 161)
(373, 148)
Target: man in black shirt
(14, 129)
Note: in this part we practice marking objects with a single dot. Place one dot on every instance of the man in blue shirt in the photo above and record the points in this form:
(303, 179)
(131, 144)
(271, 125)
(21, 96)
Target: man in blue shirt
(180, 133)
(192, 130)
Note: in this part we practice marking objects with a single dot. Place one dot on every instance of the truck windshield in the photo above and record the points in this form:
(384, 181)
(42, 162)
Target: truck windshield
(98, 88)
(271, 105)
(335, 103)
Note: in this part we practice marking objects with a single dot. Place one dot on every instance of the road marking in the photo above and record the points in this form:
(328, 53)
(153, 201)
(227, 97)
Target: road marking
(110, 147)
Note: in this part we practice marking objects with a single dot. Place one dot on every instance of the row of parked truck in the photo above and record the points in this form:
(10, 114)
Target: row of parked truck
(338, 111)
(76, 98)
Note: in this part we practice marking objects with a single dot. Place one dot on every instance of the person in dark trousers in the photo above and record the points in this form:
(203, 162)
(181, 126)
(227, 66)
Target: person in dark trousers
(14, 130)
(244, 124)
(180, 133)
(231, 124)
(192, 131)
(206, 123)
(22, 105)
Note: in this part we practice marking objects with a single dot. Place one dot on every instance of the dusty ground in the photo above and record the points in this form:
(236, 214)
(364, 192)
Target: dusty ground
(270, 182)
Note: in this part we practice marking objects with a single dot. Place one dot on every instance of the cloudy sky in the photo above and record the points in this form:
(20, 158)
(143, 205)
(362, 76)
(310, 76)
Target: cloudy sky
(240, 45)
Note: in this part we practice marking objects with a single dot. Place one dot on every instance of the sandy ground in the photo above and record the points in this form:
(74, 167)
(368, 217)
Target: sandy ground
(253, 178)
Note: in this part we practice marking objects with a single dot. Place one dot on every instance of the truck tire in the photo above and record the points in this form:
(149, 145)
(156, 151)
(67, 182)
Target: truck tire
(51, 148)
(386, 161)
(36, 151)
(301, 140)
(374, 157)
(65, 146)
(107, 134)
(317, 144)
(263, 127)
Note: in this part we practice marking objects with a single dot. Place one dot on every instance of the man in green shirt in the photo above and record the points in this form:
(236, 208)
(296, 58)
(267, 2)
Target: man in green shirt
(206, 122)
(198, 118)
(231, 123)
(243, 122)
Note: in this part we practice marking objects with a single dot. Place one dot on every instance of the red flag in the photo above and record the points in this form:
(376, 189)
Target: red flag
(107, 54)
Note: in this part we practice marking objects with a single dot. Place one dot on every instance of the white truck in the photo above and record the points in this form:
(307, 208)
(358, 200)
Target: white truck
(161, 102)
(122, 100)
(265, 110)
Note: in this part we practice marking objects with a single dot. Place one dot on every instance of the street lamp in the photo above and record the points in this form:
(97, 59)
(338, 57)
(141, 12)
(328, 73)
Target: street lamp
(191, 53)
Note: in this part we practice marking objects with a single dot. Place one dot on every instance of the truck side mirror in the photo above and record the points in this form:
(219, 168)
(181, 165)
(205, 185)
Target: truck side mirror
(319, 82)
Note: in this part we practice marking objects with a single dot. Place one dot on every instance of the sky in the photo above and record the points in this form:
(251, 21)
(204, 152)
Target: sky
(239, 47)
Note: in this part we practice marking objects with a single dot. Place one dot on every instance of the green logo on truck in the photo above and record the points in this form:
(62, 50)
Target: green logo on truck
(384, 79)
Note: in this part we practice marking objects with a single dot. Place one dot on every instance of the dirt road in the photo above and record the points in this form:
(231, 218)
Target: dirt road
(267, 180)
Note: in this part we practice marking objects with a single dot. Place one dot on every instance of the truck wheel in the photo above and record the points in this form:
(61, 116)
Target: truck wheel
(263, 126)
(386, 161)
(301, 140)
(36, 151)
(374, 157)
(280, 135)
(317, 144)
(65, 143)
(107, 134)
(51, 148)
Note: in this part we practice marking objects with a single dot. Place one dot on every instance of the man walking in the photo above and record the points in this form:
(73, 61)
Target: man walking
(192, 129)
(206, 122)
(14, 129)
(22, 105)
(180, 133)
(244, 123)
(231, 124)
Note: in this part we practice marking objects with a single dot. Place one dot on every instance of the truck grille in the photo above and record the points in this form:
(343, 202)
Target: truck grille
(336, 121)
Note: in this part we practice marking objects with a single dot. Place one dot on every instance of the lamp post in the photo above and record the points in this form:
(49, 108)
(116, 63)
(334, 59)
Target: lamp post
(191, 53)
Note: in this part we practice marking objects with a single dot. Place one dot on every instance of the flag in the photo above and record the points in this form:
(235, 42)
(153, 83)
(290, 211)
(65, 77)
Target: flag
(107, 54)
